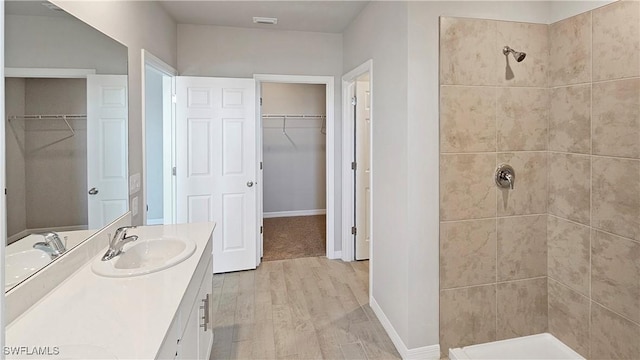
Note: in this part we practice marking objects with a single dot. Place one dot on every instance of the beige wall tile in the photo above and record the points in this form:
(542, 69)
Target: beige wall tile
(468, 53)
(467, 119)
(569, 250)
(570, 119)
(532, 39)
(613, 337)
(467, 316)
(467, 253)
(522, 308)
(522, 118)
(467, 187)
(616, 40)
(569, 317)
(570, 51)
(569, 186)
(530, 193)
(616, 196)
(522, 247)
(616, 118)
(615, 274)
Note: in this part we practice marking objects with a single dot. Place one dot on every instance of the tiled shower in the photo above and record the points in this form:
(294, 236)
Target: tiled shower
(559, 253)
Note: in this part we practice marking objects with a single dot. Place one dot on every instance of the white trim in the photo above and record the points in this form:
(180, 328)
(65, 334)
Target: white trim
(160, 66)
(3, 204)
(348, 244)
(425, 352)
(276, 214)
(331, 195)
(48, 73)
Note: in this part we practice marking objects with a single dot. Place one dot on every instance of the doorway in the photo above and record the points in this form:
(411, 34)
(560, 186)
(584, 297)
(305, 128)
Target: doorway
(294, 172)
(158, 141)
(357, 180)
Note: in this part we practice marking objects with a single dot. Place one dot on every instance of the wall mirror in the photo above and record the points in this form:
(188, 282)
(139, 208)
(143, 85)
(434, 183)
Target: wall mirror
(66, 134)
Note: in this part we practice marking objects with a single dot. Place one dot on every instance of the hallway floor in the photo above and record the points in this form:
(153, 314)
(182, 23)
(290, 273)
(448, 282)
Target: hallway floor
(294, 237)
(306, 308)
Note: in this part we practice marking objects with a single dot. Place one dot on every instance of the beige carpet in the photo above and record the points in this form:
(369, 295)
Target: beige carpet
(294, 237)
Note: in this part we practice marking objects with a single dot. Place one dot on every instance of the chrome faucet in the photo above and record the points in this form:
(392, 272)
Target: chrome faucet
(116, 243)
(52, 244)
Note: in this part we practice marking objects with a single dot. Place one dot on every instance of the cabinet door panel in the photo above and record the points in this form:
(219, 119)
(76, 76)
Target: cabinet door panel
(205, 338)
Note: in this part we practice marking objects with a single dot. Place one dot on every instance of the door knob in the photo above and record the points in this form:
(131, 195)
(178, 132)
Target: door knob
(93, 191)
(249, 183)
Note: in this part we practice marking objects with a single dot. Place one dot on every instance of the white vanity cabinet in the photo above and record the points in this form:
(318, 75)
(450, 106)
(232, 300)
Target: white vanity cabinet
(190, 336)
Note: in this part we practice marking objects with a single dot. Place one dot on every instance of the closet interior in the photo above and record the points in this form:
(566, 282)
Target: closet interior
(294, 168)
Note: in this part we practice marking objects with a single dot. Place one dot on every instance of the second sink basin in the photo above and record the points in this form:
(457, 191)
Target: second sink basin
(146, 256)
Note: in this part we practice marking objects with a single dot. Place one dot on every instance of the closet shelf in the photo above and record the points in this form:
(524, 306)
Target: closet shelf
(284, 117)
(63, 117)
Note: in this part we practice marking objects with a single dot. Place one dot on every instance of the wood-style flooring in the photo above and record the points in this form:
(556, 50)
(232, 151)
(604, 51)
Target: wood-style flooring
(305, 308)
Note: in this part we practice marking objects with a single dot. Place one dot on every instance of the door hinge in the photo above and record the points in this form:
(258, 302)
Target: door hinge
(5, 191)
(354, 230)
(260, 165)
(174, 99)
(354, 165)
(147, 207)
(261, 229)
(260, 101)
(173, 171)
(354, 100)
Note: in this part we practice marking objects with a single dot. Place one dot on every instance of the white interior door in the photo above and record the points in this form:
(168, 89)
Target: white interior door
(216, 165)
(107, 165)
(363, 170)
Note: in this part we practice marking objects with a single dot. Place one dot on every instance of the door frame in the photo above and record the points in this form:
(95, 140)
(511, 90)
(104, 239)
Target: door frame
(331, 195)
(148, 59)
(348, 240)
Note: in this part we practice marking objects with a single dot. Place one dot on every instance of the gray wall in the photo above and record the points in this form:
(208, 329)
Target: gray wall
(380, 33)
(294, 176)
(154, 144)
(56, 169)
(236, 52)
(54, 42)
(14, 141)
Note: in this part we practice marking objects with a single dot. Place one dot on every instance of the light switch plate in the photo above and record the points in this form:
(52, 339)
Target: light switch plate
(134, 183)
(134, 206)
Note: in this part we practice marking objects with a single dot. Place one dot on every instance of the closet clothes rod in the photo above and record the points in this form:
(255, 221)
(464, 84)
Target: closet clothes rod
(275, 116)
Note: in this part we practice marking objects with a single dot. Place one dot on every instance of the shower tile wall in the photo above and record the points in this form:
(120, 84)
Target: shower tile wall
(594, 190)
(493, 243)
(560, 253)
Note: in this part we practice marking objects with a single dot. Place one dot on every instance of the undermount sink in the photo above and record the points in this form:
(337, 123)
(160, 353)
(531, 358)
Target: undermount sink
(146, 256)
(20, 265)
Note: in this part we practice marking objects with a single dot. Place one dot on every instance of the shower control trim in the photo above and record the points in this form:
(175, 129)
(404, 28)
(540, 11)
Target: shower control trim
(505, 177)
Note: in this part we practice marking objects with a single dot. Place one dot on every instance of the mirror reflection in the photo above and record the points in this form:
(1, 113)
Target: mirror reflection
(66, 134)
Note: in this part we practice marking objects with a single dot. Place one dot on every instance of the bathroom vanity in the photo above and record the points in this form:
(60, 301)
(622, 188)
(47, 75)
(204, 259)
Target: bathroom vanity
(162, 313)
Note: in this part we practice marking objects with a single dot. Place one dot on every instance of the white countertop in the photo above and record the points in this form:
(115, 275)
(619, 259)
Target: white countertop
(127, 317)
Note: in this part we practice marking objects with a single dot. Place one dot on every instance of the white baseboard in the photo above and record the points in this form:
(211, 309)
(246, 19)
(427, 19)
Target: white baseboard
(336, 255)
(276, 214)
(431, 352)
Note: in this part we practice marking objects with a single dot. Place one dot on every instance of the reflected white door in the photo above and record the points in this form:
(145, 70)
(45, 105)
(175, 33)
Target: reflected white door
(363, 170)
(107, 162)
(216, 165)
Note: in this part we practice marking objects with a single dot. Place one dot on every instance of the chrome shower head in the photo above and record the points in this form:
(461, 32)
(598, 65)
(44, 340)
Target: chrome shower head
(519, 56)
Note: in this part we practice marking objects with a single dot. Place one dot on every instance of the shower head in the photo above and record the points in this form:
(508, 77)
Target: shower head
(519, 56)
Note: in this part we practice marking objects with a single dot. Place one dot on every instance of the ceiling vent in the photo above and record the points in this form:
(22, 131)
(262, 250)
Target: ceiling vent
(265, 20)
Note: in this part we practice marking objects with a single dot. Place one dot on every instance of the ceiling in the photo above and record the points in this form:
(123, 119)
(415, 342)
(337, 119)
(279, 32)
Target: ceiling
(306, 15)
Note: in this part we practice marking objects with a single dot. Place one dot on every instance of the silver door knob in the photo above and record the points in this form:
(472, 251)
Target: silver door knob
(249, 183)
(93, 191)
